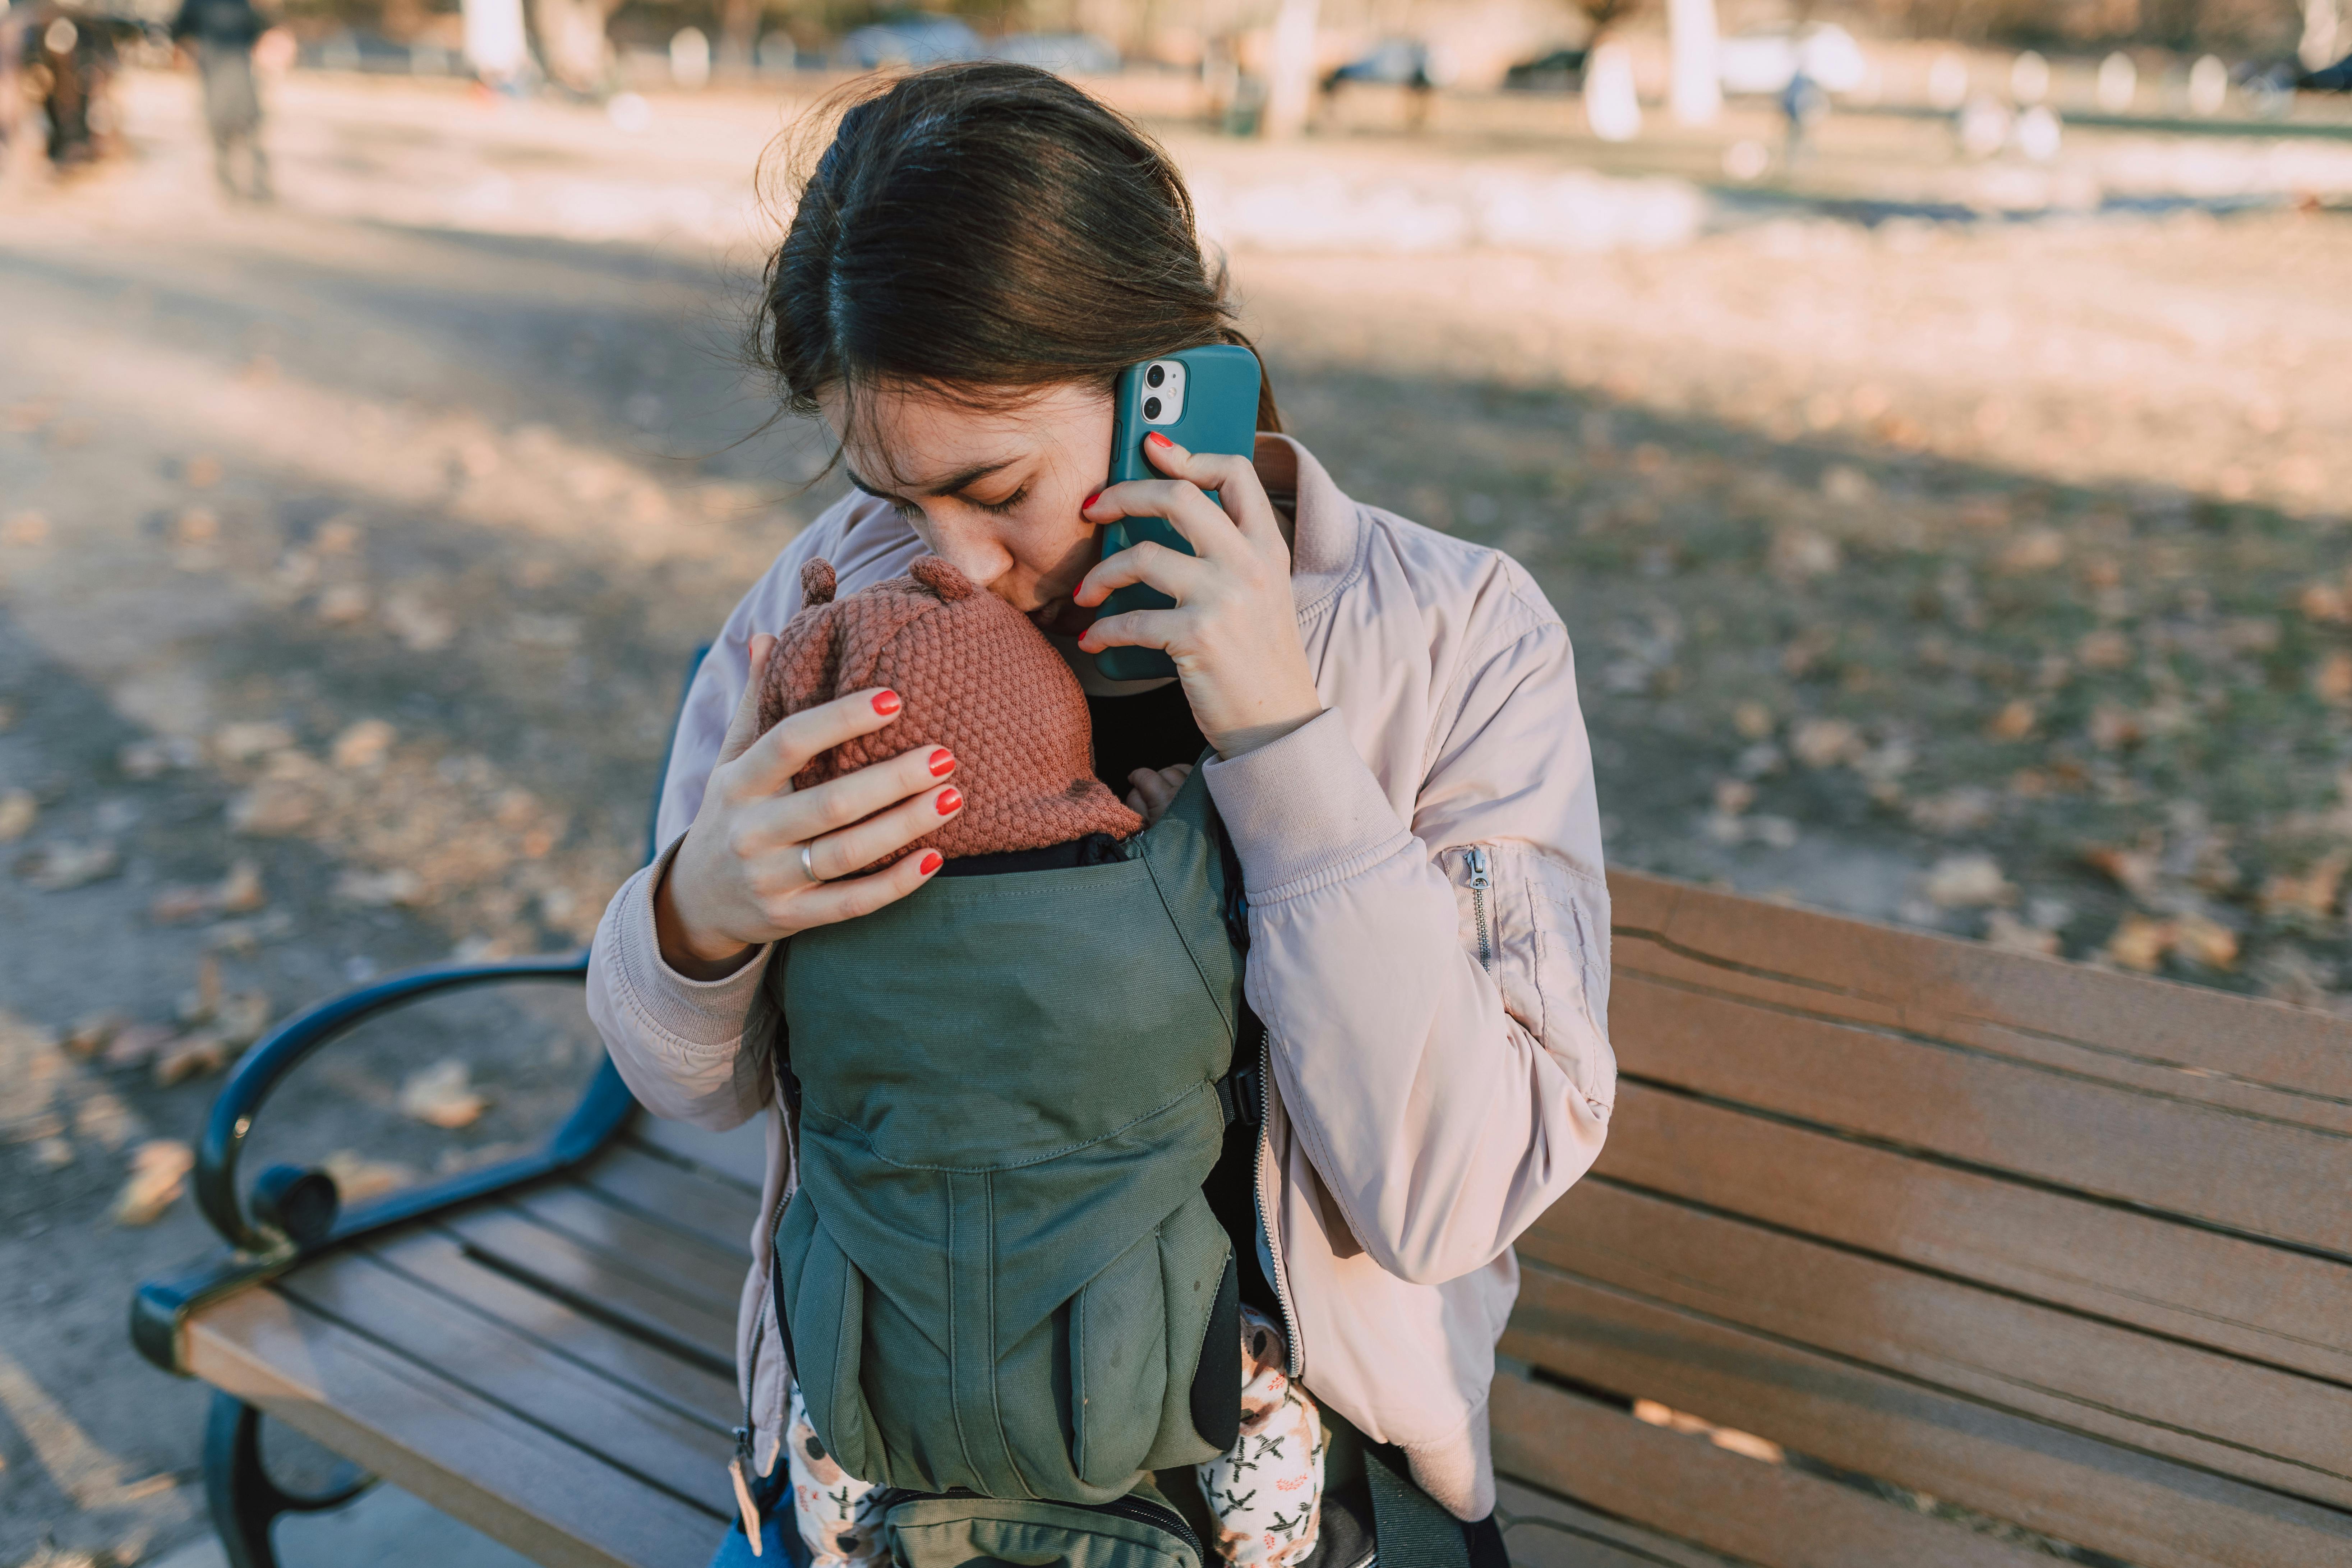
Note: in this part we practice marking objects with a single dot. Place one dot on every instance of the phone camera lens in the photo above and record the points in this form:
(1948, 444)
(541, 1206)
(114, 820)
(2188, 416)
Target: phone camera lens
(1156, 375)
(1151, 408)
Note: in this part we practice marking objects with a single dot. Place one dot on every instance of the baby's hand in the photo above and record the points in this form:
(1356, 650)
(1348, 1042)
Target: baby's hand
(1154, 789)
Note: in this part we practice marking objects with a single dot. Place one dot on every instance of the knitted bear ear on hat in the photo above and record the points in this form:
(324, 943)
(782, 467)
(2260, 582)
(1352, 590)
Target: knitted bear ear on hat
(818, 582)
(943, 580)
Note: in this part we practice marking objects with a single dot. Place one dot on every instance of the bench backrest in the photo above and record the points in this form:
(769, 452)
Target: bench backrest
(2068, 1249)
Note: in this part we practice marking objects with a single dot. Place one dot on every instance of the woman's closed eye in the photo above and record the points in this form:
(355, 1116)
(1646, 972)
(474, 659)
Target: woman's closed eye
(999, 507)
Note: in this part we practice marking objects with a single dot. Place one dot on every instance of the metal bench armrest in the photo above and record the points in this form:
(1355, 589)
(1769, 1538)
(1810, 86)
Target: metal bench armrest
(257, 1253)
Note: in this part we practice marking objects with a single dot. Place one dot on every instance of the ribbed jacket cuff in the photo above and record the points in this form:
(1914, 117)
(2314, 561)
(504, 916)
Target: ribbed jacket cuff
(704, 1015)
(1304, 810)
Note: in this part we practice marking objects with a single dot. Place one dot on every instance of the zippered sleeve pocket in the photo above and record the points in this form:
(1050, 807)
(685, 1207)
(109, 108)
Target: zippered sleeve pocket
(1541, 929)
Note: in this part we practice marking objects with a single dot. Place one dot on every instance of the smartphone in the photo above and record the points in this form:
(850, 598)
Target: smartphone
(1205, 400)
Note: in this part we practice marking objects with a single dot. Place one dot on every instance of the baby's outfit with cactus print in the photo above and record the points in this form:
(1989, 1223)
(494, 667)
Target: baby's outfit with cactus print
(1266, 1491)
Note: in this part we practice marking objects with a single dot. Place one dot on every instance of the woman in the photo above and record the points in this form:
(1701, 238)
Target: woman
(1400, 760)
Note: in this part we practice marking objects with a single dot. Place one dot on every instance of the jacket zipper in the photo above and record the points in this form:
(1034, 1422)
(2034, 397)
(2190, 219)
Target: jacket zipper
(1481, 881)
(1281, 1280)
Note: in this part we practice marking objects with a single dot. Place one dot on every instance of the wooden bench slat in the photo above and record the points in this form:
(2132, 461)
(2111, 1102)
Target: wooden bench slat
(698, 1327)
(434, 1260)
(2289, 1308)
(718, 1212)
(739, 1155)
(2147, 1509)
(1685, 1487)
(1912, 979)
(2275, 1428)
(710, 1271)
(1540, 1530)
(2264, 1178)
(492, 1359)
(513, 1480)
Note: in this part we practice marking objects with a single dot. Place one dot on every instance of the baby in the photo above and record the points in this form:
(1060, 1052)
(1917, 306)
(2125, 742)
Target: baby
(976, 678)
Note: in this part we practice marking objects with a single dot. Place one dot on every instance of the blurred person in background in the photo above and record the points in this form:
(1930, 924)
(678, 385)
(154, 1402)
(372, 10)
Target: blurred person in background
(66, 64)
(221, 34)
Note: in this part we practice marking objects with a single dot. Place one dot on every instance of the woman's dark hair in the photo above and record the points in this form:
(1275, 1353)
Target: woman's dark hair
(984, 232)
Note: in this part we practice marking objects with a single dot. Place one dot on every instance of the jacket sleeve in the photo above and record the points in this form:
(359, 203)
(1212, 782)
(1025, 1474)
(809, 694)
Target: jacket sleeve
(1442, 1054)
(673, 1039)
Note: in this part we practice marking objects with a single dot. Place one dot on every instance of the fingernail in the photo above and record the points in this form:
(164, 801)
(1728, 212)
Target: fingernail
(948, 800)
(1156, 439)
(885, 702)
(1087, 504)
(931, 862)
(942, 763)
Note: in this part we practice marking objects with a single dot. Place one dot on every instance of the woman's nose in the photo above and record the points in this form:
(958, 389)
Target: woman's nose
(973, 551)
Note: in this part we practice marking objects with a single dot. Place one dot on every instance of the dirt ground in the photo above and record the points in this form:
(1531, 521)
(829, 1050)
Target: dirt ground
(1987, 574)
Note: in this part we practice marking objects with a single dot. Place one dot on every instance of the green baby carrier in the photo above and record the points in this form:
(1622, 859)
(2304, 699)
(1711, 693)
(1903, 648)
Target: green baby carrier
(1003, 1294)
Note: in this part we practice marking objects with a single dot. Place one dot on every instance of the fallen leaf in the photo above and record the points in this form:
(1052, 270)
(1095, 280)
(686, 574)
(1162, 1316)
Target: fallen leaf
(361, 745)
(179, 903)
(244, 740)
(343, 604)
(27, 528)
(157, 1168)
(192, 1054)
(61, 866)
(2015, 720)
(202, 472)
(241, 1019)
(2324, 600)
(273, 807)
(420, 626)
(1799, 554)
(1753, 720)
(197, 525)
(2114, 728)
(2007, 933)
(2035, 550)
(2331, 679)
(2204, 941)
(92, 1033)
(135, 1043)
(1733, 796)
(203, 1003)
(2140, 943)
(2133, 870)
(1963, 809)
(375, 889)
(1825, 742)
(241, 892)
(2313, 893)
(339, 535)
(358, 1178)
(441, 1096)
(2105, 649)
(17, 811)
(1966, 882)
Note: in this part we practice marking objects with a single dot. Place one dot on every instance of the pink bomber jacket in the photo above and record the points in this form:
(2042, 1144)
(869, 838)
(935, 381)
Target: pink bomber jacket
(1441, 1061)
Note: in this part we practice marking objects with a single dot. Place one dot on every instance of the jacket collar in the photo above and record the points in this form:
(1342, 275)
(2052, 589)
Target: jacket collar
(1327, 535)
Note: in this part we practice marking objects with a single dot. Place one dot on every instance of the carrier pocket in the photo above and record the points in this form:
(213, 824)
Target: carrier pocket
(821, 1312)
(957, 1530)
(1118, 1366)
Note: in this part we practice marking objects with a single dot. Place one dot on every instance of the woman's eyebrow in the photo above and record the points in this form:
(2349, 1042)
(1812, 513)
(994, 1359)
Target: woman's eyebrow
(946, 487)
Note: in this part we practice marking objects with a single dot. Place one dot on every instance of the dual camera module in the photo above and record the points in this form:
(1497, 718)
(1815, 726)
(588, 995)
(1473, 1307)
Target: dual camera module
(1163, 396)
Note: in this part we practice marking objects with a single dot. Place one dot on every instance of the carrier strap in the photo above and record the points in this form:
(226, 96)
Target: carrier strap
(1408, 1527)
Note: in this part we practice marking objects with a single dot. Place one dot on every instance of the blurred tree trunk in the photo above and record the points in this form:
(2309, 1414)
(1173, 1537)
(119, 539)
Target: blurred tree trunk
(1290, 87)
(1697, 91)
(739, 36)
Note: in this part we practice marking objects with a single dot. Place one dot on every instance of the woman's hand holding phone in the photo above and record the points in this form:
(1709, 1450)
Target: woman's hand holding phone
(740, 879)
(1233, 632)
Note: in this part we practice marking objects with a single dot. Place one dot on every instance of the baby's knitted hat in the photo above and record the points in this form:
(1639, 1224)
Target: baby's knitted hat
(977, 678)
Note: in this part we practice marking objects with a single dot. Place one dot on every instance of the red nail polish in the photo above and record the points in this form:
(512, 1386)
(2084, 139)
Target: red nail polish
(931, 862)
(1156, 439)
(942, 763)
(949, 799)
(885, 702)
(1087, 504)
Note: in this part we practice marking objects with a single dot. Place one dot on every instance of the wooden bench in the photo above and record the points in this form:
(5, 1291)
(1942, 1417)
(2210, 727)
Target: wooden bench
(1904, 1252)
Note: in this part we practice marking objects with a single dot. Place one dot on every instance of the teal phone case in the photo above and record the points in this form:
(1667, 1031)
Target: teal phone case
(1219, 416)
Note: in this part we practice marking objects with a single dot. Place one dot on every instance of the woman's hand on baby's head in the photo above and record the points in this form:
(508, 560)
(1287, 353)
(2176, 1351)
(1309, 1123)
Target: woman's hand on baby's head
(1155, 790)
(740, 880)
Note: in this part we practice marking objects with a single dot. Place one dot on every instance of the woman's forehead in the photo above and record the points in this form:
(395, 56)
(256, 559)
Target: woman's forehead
(922, 440)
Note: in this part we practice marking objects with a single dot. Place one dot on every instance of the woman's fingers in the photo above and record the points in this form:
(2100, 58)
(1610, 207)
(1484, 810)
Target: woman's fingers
(770, 762)
(1203, 524)
(788, 819)
(839, 853)
(1135, 628)
(1232, 477)
(854, 896)
(1171, 572)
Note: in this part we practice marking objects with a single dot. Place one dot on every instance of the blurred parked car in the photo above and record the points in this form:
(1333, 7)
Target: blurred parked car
(1562, 70)
(1064, 54)
(1393, 62)
(918, 40)
(1766, 59)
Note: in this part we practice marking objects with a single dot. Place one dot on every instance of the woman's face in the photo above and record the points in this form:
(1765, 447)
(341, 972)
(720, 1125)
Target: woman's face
(996, 491)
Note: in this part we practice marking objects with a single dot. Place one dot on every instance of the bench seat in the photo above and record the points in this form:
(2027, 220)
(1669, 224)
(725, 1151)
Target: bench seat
(1904, 1253)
